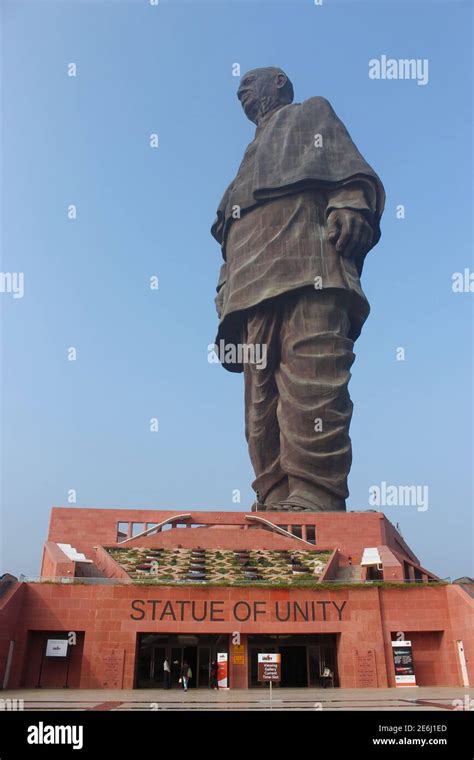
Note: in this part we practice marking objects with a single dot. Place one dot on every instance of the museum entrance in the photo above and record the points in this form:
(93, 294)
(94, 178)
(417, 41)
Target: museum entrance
(197, 651)
(306, 660)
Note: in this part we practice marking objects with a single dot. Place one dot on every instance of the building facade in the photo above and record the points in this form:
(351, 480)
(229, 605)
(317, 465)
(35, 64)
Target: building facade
(329, 592)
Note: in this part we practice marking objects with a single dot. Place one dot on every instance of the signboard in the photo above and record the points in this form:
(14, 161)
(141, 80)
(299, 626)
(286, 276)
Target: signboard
(57, 648)
(238, 654)
(365, 669)
(222, 670)
(269, 667)
(112, 662)
(403, 663)
(287, 612)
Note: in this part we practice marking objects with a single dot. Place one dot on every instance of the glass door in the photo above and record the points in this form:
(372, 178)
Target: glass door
(176, 664)
(204, 665)
(157, 672)
(190, 656)
(315, 665)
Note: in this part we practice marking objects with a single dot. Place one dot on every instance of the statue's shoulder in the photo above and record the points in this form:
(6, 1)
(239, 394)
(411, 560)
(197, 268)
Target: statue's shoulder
(314, 108)
(317, 103)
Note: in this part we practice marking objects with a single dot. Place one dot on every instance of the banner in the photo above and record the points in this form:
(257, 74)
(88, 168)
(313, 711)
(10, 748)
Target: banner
(222, 670)
(403, 663)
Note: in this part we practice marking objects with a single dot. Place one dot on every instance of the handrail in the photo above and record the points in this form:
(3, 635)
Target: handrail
(278, 529)
(185, 516)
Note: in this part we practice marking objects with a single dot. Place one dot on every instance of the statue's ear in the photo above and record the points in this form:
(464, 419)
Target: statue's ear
(281, 80)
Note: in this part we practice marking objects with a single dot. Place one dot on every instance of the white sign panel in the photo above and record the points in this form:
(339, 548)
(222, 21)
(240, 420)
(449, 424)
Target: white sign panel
(269, 657)
(56, 647)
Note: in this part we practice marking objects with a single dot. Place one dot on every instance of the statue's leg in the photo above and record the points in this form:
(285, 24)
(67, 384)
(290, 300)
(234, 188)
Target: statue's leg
(261, 399)
(315, 409)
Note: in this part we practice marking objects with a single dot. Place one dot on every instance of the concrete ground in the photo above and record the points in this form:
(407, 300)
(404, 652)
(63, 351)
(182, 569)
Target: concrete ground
(404, 698)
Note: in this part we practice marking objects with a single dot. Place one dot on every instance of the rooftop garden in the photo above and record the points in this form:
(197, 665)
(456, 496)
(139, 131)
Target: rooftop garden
(222, 566)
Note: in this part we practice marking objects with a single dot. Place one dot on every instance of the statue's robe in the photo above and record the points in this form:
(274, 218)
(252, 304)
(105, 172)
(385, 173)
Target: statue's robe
(271, 222)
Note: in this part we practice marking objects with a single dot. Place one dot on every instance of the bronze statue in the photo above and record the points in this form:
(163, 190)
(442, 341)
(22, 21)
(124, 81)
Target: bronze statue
(295, 226)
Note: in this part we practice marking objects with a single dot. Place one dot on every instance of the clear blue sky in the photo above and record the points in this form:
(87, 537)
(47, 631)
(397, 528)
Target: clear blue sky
(84, 425)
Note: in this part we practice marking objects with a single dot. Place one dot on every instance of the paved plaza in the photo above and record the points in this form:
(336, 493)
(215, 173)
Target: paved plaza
(416, 699)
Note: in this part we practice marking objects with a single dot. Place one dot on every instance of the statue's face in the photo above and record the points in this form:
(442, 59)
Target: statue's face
(248, 95)
(256, 87)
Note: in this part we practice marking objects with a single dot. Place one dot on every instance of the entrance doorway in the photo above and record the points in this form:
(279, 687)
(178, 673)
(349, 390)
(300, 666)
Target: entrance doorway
(197, 651)
(179, 656)
(293, 666)
(306, 660)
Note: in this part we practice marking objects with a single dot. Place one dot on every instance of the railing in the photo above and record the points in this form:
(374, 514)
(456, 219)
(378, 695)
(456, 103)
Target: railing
(151, 581)
(6, 582)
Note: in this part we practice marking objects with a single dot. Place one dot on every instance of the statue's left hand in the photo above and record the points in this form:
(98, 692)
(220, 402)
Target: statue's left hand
(219, 302)
(349, 231)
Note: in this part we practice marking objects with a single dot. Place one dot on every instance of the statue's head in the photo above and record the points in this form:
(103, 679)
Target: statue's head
(262, 90)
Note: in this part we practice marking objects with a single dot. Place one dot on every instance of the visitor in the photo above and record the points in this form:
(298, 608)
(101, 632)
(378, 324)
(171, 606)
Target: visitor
(186, 674)
(214, 681)
(167, 674)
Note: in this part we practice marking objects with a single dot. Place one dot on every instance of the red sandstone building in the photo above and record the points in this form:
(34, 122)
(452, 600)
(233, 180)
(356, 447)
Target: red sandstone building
(330, 592)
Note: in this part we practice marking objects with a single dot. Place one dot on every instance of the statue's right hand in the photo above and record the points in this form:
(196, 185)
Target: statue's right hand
(349, 231)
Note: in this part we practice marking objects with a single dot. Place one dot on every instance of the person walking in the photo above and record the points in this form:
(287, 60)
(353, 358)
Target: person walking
(185, 671)
(214, 682)
(167, 674)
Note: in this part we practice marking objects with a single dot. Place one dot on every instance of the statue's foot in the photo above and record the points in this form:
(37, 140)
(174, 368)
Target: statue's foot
(296, 504)
(278, 492)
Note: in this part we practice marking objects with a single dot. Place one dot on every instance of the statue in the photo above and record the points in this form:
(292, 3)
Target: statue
(295, 226)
